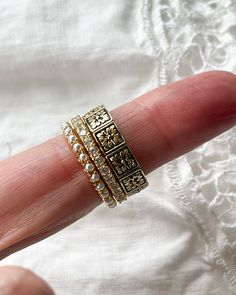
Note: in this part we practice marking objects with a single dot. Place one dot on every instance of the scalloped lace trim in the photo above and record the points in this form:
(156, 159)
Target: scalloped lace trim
(188, 37)
(219, 247)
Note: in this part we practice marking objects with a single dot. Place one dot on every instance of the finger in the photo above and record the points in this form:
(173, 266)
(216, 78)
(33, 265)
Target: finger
(44, 189)
(172, 120)
(16, 280)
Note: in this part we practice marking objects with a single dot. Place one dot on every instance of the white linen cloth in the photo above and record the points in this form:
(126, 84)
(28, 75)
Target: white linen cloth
(62, 57)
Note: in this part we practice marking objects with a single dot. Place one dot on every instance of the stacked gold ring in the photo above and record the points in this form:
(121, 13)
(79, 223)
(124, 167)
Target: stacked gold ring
(110, 164)
(88, 165)
(98, 159)
(116, 150)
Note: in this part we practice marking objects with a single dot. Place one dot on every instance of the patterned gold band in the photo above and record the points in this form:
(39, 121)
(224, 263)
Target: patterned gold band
(83, 157)
(116, 151)
(99, 160)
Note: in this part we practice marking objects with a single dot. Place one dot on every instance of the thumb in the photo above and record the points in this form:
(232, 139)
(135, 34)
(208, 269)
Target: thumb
(17, 280)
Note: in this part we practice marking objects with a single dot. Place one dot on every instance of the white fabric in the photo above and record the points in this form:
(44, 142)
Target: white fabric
(62, 57)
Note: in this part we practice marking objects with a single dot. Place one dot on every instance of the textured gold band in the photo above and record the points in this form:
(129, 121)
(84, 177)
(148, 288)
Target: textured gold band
(116, 151)
(83, 157)
(98, 159)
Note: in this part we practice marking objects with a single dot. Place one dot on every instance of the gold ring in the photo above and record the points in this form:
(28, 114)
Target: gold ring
(99, 160)
(83, 157)
(115, 149)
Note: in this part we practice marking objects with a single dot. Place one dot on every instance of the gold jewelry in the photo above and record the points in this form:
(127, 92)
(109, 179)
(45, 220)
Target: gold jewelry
(83, 157)
(116, 151)
(98, 159)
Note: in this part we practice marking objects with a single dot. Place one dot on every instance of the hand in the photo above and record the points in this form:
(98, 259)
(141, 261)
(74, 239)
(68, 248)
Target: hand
(44, 189)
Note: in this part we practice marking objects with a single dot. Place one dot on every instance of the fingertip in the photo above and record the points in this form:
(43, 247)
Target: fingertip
(217, 74)
(222, 80)
(215, 96)
(21, 281)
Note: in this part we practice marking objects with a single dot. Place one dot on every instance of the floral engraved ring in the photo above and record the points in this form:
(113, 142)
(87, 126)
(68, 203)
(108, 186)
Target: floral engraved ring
(119, 156)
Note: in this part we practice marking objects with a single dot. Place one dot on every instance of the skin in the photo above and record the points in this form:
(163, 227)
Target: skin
(44, 189)
(20, 281)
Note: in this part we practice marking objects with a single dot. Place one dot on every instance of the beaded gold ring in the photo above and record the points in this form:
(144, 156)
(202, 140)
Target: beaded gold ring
(83, 157)
(98, 159)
